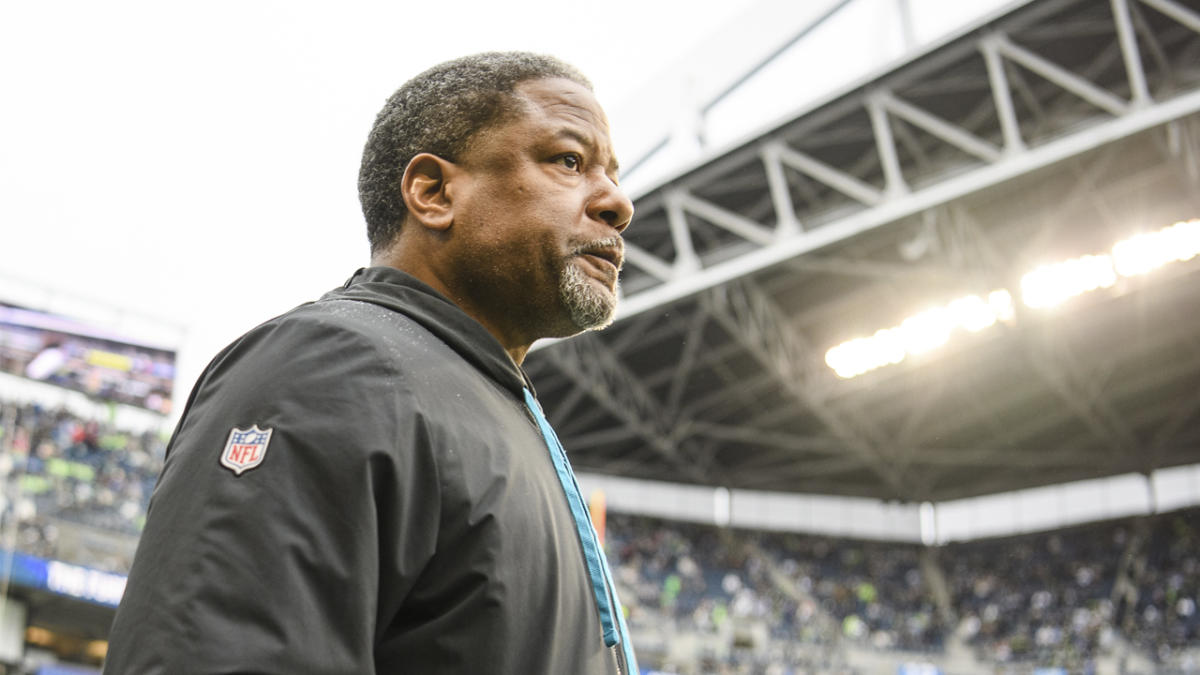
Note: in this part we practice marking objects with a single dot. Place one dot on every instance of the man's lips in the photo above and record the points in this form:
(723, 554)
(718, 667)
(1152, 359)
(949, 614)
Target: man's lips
(604, 258)
(612, 253)
(602, 267)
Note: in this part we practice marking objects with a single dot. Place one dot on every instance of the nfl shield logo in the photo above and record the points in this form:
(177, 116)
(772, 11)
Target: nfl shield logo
(245, 449)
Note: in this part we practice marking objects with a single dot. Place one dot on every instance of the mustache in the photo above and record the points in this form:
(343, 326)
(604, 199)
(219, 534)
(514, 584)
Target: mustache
(610, 248)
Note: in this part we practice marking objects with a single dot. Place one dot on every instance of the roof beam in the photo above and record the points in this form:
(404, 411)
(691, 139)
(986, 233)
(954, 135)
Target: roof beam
(791, 443)
(1056, 366)
(823, 173)
(1062, 77)
(1002, 94)
(692, 341)
(893, 209)
(724, 218)
(1129, 51)
(950, 133)
(593, 367)
(1176, 11)
(751, 318)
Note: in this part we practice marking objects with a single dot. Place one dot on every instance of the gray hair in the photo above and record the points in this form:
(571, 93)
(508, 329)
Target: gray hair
(440, 111)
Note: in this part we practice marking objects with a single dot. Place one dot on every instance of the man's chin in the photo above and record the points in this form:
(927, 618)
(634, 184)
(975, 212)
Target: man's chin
(590, 304)
(601, 324)
(595, 319)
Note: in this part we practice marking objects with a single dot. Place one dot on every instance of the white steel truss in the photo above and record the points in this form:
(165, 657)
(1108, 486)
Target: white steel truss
(664, 274)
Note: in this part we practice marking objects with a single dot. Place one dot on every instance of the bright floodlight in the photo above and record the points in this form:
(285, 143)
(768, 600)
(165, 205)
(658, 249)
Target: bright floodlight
(1147, 252)
(1050, 285)
(972, 313)
(860, 355)
(1044, 287)
(1001, 303)
(918, 334)
(926, 331)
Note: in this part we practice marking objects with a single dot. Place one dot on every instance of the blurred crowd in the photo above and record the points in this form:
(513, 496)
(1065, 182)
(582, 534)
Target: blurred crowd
(60, 471)
(1062, 599)
(744, 601)
(1159, 608)
(1046, 597)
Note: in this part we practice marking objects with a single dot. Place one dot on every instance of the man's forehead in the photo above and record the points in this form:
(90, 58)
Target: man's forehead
(572, 108)
(566, 97)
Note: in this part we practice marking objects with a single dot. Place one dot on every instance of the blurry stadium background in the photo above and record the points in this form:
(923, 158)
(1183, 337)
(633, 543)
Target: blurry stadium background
(906, 378)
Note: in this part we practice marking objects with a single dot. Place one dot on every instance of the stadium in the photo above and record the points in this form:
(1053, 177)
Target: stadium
(905, 379)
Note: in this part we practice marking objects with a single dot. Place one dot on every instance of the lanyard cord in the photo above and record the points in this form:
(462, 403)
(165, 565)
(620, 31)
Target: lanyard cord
(611, 620)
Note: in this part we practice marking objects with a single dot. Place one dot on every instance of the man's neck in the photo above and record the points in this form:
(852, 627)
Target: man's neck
(515, 348)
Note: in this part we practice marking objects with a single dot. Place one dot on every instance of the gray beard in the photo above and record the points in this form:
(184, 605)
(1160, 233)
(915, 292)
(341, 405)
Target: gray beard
(589, 308)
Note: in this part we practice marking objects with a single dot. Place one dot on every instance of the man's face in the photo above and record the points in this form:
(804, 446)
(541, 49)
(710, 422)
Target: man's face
(539, 216)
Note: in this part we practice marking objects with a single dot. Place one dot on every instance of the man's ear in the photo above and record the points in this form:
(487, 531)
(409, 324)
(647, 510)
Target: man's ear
(425, 187)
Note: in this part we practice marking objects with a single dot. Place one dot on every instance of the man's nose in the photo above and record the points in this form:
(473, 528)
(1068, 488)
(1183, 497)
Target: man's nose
(612, 206)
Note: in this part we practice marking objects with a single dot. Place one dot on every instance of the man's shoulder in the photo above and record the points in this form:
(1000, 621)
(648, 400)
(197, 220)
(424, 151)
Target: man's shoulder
(324, 338)
(333, 341)
(344, 329)
(350, 319)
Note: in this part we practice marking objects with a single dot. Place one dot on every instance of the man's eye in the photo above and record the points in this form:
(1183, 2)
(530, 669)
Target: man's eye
(570, 161)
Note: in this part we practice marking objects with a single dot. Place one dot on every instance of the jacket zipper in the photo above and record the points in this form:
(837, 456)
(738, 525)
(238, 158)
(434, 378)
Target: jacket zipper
(618, 654)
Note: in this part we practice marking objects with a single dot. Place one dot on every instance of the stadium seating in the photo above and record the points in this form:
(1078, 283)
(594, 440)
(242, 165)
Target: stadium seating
(64, 472)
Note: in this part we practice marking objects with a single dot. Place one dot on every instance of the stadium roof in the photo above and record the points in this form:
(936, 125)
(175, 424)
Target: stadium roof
(1050, 133)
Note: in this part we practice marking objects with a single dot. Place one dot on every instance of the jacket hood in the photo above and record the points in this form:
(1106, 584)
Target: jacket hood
(400, 292)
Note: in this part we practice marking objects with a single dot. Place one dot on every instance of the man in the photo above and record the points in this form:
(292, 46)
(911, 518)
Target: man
(366, 484)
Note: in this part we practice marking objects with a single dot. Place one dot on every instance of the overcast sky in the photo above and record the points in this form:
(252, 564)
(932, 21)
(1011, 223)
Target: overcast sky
(196, 162)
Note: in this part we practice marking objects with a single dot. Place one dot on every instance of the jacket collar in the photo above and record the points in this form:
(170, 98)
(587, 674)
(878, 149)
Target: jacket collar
(398, 291)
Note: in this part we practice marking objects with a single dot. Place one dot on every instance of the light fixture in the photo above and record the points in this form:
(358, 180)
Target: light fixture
(919, 333)
(1051, 285)
(1045, 287)
(1147, 252)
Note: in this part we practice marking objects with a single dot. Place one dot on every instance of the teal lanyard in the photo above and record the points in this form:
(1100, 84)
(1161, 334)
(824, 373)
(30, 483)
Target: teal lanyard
(612, 620)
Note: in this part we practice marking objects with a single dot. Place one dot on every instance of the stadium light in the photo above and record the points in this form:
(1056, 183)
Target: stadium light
(919, 334)
(1051, 285)
(1147, 252)
(1045, 287)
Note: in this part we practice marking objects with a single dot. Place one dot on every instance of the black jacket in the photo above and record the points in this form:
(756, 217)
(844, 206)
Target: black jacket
(405, 516)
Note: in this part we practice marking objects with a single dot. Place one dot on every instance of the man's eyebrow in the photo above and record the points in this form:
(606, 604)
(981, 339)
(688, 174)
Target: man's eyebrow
(589, 142)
